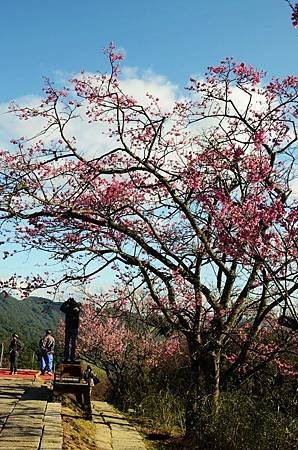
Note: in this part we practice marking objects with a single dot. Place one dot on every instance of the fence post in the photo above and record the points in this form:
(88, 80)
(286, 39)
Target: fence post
(2, 351)
(33, 360)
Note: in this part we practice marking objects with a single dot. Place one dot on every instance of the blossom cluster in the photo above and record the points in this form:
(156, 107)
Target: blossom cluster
(295, 16)
(114, 342)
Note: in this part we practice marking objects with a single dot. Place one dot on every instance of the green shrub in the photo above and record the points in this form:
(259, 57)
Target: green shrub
(165, 409)
(248, 423)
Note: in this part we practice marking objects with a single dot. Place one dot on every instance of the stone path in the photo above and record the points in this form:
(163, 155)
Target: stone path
(113, 431)
(27, 420)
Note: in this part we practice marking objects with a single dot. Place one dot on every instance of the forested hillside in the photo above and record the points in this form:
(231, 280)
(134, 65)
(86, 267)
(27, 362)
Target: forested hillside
(28, 318)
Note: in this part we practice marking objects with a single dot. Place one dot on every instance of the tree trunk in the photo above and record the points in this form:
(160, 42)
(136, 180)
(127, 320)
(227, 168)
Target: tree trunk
(197, 400)
(203, 397)
(216, 384)
(193, 403)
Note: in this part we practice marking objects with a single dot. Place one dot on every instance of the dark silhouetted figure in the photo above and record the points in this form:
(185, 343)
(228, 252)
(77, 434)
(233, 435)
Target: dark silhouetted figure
(14, 349)
(72, 309)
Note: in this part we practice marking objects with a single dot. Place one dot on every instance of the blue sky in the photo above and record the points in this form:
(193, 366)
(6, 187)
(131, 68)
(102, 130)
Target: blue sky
(174, 38)
(171, 38)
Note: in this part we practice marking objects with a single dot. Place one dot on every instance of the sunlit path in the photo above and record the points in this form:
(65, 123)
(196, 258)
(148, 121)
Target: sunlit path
(113, 431)
(27, 420)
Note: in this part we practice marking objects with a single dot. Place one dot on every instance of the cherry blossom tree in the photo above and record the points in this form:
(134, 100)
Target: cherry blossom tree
(122, 346)
(196, 206)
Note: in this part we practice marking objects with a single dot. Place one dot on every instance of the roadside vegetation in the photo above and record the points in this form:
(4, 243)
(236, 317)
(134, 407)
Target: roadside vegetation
(258, 413)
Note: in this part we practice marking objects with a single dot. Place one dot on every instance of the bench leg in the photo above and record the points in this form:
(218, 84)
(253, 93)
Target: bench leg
(80, 398)
(87, 403)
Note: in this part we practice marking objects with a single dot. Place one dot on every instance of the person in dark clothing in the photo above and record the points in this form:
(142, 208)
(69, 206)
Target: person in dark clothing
(14, 349)
(72, 309)
(46, 348)
(88, 376)
(91, 379)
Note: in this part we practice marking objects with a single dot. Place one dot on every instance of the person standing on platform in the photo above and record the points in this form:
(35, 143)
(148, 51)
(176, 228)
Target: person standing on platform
(46, 347)
(14, 349)
(72, 309)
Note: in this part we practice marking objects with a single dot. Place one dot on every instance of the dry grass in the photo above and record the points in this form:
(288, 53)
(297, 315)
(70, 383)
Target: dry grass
(78, 433)
(158, 438)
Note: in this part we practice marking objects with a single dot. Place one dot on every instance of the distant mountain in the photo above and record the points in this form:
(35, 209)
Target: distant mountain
(28, 318)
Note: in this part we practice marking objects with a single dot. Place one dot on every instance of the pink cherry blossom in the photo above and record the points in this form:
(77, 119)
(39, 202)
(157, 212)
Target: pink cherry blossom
(193, 208)
(295, 16)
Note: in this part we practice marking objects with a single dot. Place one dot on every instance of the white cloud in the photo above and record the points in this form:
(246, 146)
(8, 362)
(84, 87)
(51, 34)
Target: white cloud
(137, 85)
(91, 138)
(12, 127)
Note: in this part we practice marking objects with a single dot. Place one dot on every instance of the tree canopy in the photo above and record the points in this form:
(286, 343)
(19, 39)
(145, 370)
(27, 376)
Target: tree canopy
(196, 205)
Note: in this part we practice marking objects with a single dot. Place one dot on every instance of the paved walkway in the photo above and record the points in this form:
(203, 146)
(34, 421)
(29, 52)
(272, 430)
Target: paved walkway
(113, 431)
(27, 420)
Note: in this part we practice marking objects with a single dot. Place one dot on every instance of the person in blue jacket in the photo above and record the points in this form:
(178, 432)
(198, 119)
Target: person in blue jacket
(46, 348)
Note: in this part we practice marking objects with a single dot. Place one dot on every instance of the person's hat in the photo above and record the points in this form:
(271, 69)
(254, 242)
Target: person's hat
(15, 335)
(49, 331)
